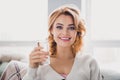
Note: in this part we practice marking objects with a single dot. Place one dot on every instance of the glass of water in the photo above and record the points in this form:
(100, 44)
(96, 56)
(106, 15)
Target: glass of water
(44, 44)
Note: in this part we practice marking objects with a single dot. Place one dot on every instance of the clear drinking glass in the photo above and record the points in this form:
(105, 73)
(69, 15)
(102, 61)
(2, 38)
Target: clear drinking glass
(44, 44)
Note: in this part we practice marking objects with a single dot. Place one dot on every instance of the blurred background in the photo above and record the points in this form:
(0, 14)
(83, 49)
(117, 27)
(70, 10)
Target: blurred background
(23, 22)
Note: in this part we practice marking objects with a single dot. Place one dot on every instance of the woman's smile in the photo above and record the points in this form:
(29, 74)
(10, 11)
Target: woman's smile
(65, 39)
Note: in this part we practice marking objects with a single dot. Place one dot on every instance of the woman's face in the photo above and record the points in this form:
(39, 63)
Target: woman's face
(64, 31)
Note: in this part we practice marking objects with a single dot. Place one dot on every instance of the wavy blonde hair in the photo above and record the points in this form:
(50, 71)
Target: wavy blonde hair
(74, 12)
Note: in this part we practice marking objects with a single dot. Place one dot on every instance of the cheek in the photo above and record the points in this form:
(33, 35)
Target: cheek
(55, 35)
(74, 35)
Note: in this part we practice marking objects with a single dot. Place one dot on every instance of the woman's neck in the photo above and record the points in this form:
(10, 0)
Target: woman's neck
(64, 53)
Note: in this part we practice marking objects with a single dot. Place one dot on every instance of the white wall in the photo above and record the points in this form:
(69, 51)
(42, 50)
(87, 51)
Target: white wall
(23, 20)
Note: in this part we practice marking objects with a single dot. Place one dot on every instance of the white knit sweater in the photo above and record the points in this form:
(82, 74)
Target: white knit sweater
(84, 68)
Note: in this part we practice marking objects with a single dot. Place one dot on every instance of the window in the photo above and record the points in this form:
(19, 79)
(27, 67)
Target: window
(105, 19)
(102, 18)
(23, 20)
(105, 31)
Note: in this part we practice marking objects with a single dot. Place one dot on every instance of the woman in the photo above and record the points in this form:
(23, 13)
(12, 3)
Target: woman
(65, 41)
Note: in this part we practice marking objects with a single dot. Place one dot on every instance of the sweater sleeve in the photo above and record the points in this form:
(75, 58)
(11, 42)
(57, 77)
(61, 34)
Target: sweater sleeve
(31, 74)
(95, 71)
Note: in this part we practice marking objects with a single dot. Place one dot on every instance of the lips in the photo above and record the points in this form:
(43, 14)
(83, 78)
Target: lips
(65, 38)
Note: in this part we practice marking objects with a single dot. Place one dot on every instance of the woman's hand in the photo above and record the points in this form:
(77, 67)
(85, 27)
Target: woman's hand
(37, 57)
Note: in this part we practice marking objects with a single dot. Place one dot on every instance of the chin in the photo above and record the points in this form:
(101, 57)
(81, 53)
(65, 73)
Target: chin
(65, 45)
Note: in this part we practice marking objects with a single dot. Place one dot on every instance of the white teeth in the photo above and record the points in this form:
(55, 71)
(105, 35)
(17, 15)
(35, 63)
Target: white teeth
(65, 38)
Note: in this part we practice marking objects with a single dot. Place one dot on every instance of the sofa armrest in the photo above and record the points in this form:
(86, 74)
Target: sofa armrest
(2, 67)
(110, 75)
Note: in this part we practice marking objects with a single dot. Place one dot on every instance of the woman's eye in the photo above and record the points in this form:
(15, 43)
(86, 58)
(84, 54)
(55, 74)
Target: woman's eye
(59, 27)
(71, 28)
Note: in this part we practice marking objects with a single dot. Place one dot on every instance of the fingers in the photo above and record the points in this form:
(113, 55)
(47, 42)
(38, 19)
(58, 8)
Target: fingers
(37, 56)
(36, 59)
(38, 48)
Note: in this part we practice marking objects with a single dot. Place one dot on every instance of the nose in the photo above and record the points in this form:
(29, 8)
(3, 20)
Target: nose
(65, 31)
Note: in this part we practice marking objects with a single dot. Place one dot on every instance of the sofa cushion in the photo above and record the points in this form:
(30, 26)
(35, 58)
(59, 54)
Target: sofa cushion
(6, 56)
(15, 70)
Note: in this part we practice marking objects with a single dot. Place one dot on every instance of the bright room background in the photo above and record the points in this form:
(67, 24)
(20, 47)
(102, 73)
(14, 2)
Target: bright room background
(24, 22)
(103, 30)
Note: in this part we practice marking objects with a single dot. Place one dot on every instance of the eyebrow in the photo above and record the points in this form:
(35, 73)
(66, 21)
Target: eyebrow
(62, 24)
(59, 24)
(71, 25)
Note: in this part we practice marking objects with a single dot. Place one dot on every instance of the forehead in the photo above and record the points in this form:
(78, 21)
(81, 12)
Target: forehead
(64, 19)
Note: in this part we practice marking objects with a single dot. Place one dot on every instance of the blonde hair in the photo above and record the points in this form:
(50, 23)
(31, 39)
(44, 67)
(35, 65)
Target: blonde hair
(74, 12)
